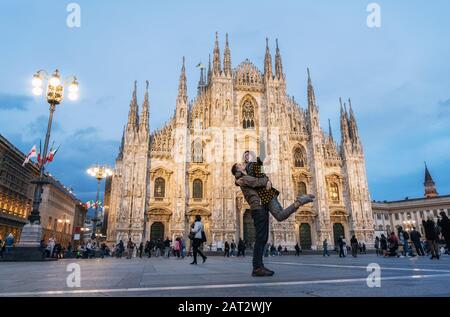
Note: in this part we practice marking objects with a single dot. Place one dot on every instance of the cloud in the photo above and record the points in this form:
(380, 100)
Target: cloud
(78, 151)
(104, 101)
(39, 126)
(14, 102)
(444, 109)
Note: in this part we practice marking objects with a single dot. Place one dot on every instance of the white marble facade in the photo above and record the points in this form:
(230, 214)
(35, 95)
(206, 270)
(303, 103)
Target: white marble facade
(164, 178)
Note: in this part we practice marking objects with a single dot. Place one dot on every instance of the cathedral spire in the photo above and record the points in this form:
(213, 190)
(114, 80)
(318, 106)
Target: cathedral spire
(430, 186)
(209, 69)
(267, 62)
(227, 58)
(202, 82)
(352, 124)
(145, 110)
(122, 146)
(344, 124)
(330, 131)
(217, 68)
(312, 105)
(182, 87)
(133, 118)
(278, 63)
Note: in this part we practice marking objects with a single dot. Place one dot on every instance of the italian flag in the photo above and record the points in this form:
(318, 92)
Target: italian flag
(89, 204)
(51, 155)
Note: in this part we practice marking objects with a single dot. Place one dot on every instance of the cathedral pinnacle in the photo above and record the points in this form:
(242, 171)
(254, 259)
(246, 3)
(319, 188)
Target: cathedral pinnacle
(227, 58)
(217, 68)
(278, 63)
(267, 62)
(145, 109)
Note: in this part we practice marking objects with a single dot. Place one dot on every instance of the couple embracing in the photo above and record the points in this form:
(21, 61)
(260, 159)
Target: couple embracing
(262, 199)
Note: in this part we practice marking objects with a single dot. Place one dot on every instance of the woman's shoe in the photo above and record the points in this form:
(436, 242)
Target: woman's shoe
(204, 259)
(194, 263)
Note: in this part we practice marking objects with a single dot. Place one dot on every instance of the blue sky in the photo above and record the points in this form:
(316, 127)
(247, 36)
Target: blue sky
(397, 75)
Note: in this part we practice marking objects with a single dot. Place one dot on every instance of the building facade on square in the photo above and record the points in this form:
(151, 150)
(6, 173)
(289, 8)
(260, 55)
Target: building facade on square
(164, 178)
(16, 189)
(409, 213)
(57, 208)
(57, 211)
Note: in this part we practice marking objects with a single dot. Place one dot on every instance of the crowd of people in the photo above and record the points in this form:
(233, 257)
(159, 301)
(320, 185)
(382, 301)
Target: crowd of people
(408, 241)
(230, 248)
(403, 243)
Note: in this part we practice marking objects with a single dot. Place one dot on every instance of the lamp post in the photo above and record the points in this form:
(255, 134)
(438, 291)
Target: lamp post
(55, 94)
(28, 247)
(99, 172)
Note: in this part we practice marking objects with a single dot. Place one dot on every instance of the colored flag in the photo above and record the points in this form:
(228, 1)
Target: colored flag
(89, 204)
(30, 155)
(51, 154)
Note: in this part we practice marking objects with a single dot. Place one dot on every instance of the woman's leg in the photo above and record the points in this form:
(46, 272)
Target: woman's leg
(195, 250)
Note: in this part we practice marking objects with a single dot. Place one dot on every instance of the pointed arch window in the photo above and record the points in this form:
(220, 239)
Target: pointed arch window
(301, 188)
(197, 151)
(334, 192)
(299, 158)
(197, 189)
(248, 115)
(160, 188)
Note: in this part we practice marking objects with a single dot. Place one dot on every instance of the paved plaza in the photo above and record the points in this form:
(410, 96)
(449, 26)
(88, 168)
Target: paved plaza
(308, 275)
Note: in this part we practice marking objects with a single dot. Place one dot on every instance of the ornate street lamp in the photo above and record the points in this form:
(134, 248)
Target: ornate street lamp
(99, 172)
(28, 247)
(55, 94)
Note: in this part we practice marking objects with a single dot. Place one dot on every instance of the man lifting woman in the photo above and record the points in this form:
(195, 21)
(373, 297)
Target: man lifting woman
(262, 199)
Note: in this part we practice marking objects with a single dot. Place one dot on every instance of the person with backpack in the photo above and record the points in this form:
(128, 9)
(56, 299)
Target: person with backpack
(198, 237)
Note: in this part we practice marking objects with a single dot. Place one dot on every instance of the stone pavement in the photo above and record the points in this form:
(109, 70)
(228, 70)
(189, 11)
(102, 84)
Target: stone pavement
(311, 275)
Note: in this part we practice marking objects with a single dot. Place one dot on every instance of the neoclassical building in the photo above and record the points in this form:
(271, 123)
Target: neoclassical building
(410, 212)
(164, 178)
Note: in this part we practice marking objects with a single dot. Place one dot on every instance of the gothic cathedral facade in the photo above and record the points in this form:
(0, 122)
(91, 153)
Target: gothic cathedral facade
(164, 178)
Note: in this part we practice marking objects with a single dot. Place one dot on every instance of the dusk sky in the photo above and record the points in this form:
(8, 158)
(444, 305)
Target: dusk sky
(398, 75)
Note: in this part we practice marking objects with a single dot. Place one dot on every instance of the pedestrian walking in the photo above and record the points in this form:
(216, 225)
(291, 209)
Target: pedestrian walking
(325, 248)
(383, 245)
(241, 248)
(130, 248)
(9, 242)
(297, 250)
(354, 244)
(341, 243)
(432, 237)
(444, 223)
(198, 237)
(415, 239)
(377, 246)
(227, 250)
(232, 248)
(141, 249)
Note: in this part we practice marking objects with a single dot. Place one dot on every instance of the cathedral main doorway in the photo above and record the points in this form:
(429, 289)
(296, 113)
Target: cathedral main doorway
(338, 230)
(305, 236)
(249, 229)
(157, 231)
